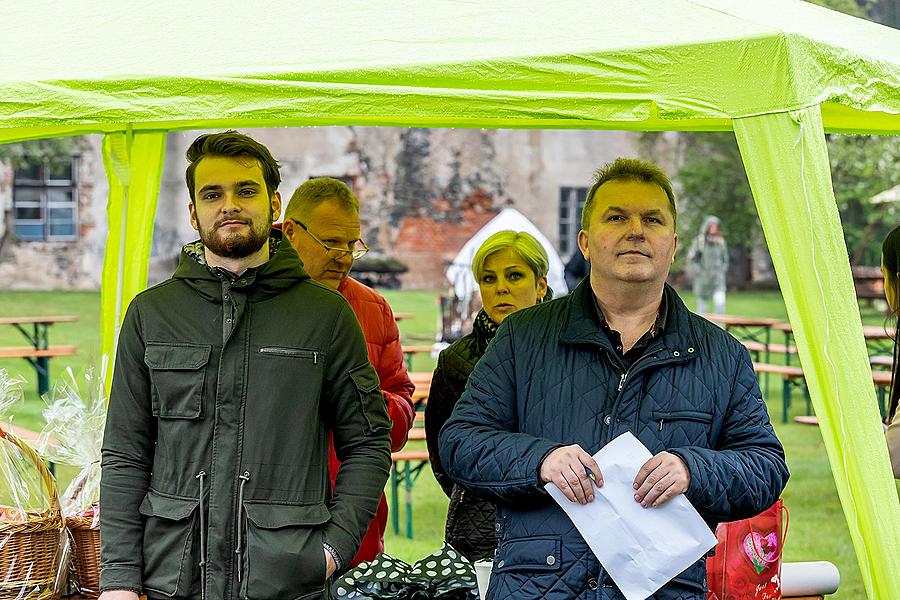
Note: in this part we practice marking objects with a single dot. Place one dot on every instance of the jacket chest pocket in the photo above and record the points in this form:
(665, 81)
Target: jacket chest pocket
(682, 427)
(284, 555)
(177, 377)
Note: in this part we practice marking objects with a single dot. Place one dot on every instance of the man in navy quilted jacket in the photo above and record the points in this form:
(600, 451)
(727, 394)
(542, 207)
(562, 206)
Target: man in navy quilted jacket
(620, 353)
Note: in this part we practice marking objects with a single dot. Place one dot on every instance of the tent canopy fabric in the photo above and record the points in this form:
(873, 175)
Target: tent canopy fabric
(779, 73)
(459, 273)
(673, 65)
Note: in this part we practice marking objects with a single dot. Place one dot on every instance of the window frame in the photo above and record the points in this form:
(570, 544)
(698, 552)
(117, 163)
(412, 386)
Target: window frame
(44, 185)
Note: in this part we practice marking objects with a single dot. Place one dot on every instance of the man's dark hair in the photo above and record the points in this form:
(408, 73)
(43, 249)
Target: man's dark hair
(232, 144)
(627, 169)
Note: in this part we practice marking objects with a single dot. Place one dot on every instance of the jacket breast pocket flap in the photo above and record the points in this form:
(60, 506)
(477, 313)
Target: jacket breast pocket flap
(284, 554)
(529, 554)
(169, 549)
(177, 377)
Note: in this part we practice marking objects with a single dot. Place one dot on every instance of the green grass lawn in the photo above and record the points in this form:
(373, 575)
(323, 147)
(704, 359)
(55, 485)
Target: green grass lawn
(818, 530)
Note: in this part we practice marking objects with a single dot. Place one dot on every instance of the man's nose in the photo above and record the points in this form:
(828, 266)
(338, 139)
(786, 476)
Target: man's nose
(345, 259)
(636, 228)
(230, 202)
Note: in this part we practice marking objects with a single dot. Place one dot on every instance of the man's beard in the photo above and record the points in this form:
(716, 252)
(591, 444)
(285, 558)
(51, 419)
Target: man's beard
(237, 244)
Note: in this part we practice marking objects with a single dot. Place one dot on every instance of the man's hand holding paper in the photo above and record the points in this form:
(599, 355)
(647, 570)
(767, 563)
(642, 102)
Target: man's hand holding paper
(641, 548)
(573, 471)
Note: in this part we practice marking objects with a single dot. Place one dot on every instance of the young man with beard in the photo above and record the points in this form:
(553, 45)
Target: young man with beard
(322, 224)
(215, 456)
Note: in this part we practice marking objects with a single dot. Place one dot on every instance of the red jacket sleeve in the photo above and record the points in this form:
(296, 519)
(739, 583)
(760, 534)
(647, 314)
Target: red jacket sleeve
(395, 383)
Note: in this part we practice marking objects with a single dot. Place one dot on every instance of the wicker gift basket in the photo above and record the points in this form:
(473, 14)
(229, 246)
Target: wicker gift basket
(76, 416)
(33, 541)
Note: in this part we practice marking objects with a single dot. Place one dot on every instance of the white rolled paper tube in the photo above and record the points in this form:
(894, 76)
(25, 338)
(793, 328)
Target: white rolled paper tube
(809, 578)
(483, 575)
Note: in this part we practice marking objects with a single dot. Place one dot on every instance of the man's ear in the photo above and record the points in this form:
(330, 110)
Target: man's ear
(583, 244)
(276, 206)
(192, 210)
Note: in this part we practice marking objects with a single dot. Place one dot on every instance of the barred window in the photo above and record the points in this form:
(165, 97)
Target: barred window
(571, 201)
(45, 200)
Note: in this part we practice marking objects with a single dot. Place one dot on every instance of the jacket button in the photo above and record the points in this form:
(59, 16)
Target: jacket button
(551, 560)
(676, 353)
(592, 583)
(501, 563)
(607, 419)
(690, 350)
(497, 526)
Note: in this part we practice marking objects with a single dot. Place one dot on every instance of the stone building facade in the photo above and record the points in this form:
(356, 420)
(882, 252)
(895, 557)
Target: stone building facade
(423, 193)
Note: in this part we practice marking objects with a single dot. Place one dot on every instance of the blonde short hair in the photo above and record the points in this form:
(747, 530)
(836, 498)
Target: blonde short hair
(522, 243)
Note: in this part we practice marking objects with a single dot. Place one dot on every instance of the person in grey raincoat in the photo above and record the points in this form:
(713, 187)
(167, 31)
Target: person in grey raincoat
(229, 378)
(708, 262)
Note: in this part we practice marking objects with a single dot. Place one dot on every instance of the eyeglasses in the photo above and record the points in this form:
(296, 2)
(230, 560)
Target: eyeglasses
(336, 253)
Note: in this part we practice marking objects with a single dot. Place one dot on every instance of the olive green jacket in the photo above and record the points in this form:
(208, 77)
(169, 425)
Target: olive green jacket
(215, 456)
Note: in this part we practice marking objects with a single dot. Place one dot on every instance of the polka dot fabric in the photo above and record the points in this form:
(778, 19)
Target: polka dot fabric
(444, 575)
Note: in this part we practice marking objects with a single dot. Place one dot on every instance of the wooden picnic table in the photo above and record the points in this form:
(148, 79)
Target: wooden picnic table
(748, 329)
(754, 332)
(36, 330)
(882, 340)
(410, 350)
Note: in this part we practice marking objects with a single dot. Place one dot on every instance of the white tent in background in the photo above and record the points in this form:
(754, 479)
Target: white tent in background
(460, 270)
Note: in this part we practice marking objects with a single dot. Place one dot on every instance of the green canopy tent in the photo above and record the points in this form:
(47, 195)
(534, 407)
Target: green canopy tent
(779, 73)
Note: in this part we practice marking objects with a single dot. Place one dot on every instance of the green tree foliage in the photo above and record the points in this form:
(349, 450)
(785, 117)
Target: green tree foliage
(53, 151)
(861, 167)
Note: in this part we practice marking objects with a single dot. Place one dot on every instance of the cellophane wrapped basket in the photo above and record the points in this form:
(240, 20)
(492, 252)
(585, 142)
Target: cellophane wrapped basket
(33, 541)
(76, 416)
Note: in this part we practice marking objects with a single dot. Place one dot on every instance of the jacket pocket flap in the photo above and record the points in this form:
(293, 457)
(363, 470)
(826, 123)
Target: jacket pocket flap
(176, 356)
(275, 516)
(166, 507)
(529, 554)
(365, 378)
(686, 415)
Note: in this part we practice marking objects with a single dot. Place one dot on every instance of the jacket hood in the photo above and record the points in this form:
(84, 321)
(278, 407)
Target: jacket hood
(282, 270)
(709, 220)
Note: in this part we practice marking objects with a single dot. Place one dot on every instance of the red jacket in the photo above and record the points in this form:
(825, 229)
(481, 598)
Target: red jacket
(383, 341)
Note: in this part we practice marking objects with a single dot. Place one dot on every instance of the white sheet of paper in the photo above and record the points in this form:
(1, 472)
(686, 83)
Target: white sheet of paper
(642, 549)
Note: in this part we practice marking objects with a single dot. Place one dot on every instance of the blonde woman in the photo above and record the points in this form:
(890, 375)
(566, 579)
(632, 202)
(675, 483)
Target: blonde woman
(511, 270)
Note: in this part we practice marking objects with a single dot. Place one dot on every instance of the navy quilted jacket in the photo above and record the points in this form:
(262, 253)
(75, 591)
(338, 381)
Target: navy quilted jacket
(548, 380)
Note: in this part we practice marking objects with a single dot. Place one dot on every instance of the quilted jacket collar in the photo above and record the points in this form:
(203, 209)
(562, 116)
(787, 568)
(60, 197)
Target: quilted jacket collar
(582, 324)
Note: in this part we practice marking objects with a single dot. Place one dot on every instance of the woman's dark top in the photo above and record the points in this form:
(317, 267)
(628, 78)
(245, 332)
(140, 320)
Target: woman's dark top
(470, 519)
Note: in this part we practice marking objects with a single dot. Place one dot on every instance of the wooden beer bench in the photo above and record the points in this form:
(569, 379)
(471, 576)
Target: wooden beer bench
(37, 331)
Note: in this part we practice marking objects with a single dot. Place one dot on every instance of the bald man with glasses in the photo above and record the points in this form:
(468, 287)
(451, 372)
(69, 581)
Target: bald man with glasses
(322, 224)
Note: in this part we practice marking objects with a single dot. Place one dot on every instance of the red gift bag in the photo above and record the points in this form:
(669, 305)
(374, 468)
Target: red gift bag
(747, 562)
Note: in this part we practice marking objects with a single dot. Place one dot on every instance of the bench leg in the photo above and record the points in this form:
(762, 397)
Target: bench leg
(806, 397)
(42, 366)
(785, 399)
(395, 501)
(409, 502)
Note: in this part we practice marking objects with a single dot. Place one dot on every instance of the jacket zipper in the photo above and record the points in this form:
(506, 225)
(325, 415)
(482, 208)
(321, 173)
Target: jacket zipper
(200, 477)
(624, 377)
(244, 477)
(290, 352)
